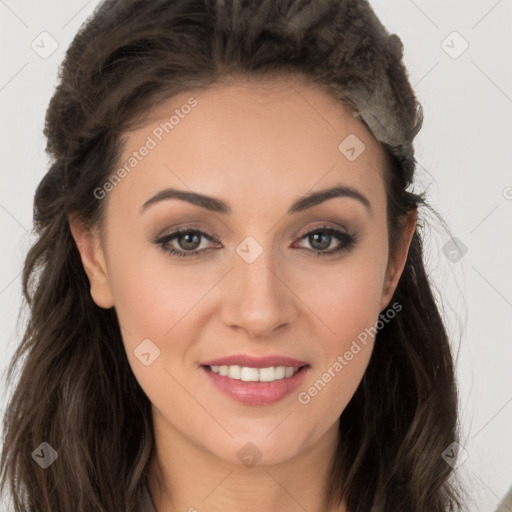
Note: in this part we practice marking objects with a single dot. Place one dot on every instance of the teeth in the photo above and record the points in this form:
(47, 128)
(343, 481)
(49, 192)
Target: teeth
(267, 374)
(248, 374)
(279, 372)
(234, 372)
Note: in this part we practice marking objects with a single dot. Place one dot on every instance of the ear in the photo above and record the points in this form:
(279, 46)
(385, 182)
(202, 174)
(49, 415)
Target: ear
(397, 262)
(93, 259)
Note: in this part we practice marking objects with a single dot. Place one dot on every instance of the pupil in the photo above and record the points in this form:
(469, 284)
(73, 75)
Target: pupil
(325, 236)
(193, 244)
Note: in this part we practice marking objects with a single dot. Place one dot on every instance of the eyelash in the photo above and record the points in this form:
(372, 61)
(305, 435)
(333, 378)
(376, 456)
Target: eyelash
(347, 242)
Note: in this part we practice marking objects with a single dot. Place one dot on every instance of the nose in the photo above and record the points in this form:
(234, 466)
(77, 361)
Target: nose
(258, 299)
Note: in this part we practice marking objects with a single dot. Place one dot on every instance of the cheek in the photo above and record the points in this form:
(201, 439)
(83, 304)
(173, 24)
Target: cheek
(156, 304)
(157, 310)
(154, 298)
(347, 297)
(348, 307)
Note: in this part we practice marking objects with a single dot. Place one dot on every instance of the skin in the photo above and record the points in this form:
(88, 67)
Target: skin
(258, 148)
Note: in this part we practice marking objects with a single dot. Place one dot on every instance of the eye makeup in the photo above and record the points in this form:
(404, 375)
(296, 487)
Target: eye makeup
(189, 236)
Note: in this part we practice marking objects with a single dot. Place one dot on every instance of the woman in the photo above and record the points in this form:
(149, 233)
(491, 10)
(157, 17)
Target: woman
(229, 306)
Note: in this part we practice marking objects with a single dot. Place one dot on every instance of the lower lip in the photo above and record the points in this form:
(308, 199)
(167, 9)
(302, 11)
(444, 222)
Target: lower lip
(256, 393)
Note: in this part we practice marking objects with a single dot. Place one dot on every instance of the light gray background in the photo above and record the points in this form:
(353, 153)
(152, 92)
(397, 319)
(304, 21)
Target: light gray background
(465, 162)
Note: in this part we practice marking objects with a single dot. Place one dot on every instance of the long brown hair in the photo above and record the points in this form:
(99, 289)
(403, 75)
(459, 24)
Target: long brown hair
(76, 390)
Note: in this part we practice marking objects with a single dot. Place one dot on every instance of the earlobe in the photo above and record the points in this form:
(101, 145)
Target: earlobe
(93, 260)
(397, 263)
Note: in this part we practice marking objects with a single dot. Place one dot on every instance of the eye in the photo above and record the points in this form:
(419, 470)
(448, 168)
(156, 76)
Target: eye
(323, 237)
(188, 241)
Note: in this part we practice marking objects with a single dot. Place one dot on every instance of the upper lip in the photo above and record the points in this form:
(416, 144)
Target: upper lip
(255, 362)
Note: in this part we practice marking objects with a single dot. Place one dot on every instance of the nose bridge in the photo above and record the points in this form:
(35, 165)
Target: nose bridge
(257, 278)
(258, 300)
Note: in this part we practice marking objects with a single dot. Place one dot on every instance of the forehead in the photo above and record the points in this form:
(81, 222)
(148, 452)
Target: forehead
(272, 140)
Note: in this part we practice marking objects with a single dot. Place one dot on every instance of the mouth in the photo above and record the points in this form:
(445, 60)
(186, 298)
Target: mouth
(252, 374)
(256, 384)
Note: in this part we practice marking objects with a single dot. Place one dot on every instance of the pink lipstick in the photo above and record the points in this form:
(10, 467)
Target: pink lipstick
(255, 380)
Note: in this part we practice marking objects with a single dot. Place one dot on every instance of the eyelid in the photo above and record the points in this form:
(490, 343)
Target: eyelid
(174, 233)
(324, 225)
(214, 237)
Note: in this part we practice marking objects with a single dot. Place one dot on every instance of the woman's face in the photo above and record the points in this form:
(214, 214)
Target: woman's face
(250, 282)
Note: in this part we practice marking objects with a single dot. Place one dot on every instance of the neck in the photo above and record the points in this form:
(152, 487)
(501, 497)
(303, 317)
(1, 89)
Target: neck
(184, 476)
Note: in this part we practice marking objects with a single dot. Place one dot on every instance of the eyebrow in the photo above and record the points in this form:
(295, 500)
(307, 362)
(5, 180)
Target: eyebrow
(218, 206)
